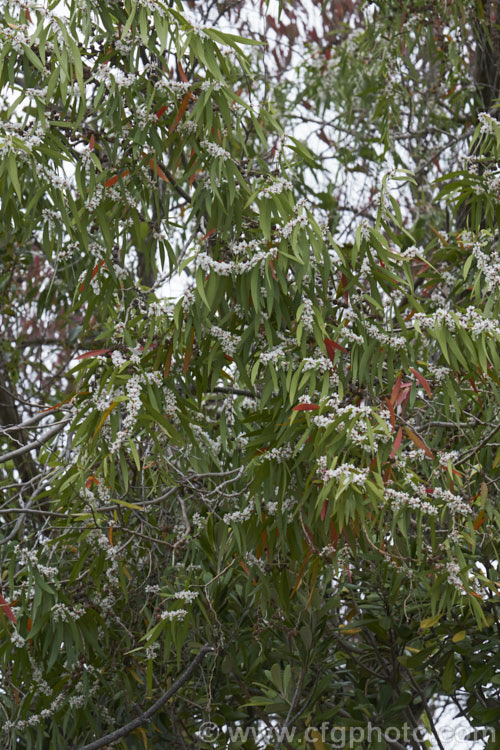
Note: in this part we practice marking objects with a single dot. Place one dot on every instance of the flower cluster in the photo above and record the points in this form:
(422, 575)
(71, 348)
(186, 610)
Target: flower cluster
(187, 596)
(486, 123)
(446, 456)
(281, 454)
(239, 516)
(349, 473)
(277, 187)
(171, 408)
(273, 355)
(320, 363)
(400, 499)
(227, 268)
(286, 230)
(62, 613)
(411, 252)
(349, 411)
(30, 556)
(201, 434)
(215, 150)
(453, 570)
(108, 76)
(307, 315)
(174, 614)
(253, 561)
(489, 265)
(471, 320)
(17, 36)
(228, 341)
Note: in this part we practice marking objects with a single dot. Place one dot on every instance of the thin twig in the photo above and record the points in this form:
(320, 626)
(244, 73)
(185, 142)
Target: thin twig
(147, 715)
(35, 444)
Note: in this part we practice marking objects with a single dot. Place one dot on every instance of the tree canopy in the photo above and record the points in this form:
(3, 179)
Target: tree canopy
(268, 501)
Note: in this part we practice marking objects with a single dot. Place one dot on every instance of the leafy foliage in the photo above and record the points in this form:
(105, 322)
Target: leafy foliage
(296, 462)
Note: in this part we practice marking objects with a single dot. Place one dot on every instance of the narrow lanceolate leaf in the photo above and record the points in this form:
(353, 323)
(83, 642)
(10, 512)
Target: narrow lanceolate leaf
(391, 412)
(429, 622)
(4, 606)
(14, 178)
(188, 353)
(397, 443)
(113, 180)
(181, 111)
(94, 353)
(419, 442)
(168, 361)
(158, 170)
(423, 382)
(301, 574)
(396, 388)
(305, 407)
(332, 347)
(480, 519)
(104, 416)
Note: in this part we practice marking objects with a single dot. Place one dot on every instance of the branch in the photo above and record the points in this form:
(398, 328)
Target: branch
(147, 715)
(293, 706)
(35, 444)
(178, 189)
(465, 456)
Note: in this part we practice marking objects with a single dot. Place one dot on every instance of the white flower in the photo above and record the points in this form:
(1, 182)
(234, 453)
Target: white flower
(229, 341)
(307, 315)
(175, 614)
(215, 150)
(187, 596)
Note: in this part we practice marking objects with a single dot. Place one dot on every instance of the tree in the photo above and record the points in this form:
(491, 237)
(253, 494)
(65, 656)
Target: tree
(270, 504)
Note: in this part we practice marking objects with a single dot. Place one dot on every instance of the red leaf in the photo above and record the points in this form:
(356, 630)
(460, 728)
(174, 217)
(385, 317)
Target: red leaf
(91, 142)
(481, 518)
(245, 567)
(113, 180)
(301, 574)
(161, 111)
(332, 347)
(271, 266)
(423, 382)
(94, 271)
(391, 411)
(419, 442)
(344, 287)
(181, 111)
(334, 537)
(96, 268)
(305, 407)
(403, 394)
(209, 234)
(397, 442)
(324, 138)
(181, 72)
(324, 509)
(93, 353)
(7, 610)
(158, 170)
(396, 388)
(188, 353)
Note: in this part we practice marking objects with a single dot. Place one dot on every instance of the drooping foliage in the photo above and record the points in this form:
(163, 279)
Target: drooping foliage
(250, 393)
